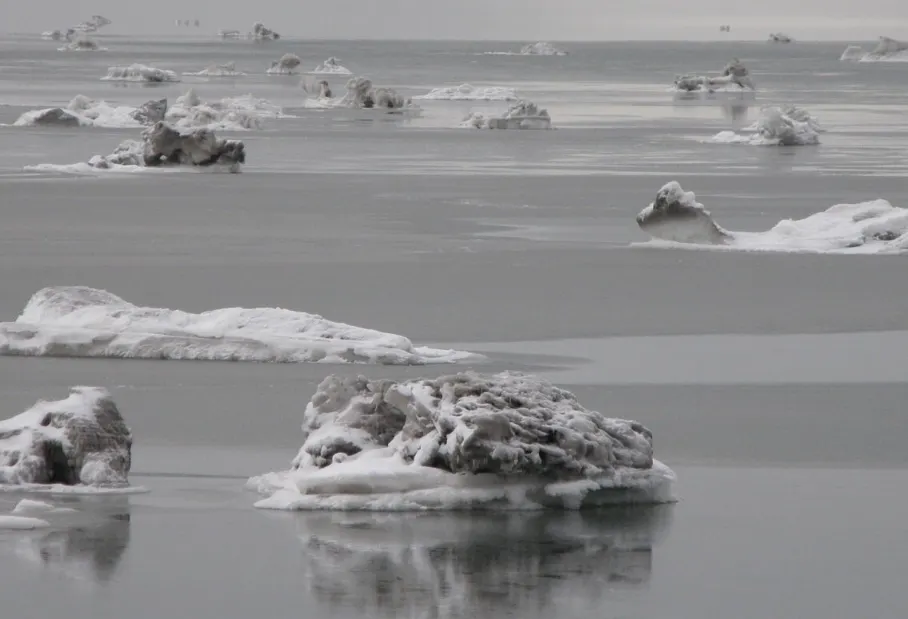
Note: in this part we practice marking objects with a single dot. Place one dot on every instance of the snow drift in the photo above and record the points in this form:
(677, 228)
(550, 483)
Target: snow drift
(332, 66)
(521, 115)
(75, 321)
(139, 73)
(79, 440)
(162, 145)
(887, 50)
(286, 65)
(735, 78)
(874, 227)
(462, 441)
(467, 92)
(218, 70)
(777, 126)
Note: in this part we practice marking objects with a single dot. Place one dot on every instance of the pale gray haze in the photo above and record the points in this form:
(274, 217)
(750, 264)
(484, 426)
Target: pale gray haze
(485, 19)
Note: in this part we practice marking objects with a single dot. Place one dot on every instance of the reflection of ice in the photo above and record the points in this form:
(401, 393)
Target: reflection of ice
(86, 540)
(469, 565)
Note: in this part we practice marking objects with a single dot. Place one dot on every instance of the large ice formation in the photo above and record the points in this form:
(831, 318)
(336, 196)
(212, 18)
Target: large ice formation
(458, 565)
(462, 441)
(887, 50)
(787, 125)
(261, 33)
(75, 321)
(79, 440)
(82, 111)
(521, 115)
(332, 66)
(286, 65)
(82, 44)
(779, 37)
(735, 78)
(228, 114)
(139, 73)
(873, 227)
(542, 48)
(467, 92)
(218, 70)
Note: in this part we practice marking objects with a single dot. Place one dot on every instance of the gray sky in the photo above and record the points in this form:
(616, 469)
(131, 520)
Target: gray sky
(486, 19)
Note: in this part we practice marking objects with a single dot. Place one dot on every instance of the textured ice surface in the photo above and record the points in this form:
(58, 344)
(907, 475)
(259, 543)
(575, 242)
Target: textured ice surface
(75, 321)
(468, 440)
(467, 92)
(81, 440)
(874, 227)
(777, 126)
(139, 73)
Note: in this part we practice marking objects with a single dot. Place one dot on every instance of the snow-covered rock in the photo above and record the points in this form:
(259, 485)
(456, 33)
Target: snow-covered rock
(777, 126)
(79, 440)
(874, 227)
(521, 115)
(362, 94)
(332, 66)
(86, 112)
(261, 33)
(734, 76)
(464, 438)
(75, 321)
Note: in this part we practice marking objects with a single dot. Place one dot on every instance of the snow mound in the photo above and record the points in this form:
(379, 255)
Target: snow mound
(161, 145)
(542, 48)
(139, 73)
(286, 65)
(456, 565)
(874, 227)
(777, 126)
(82, 44)
(467, 92)
(80, 440)
(462, 441)
(332, 66)
(86, 112)
(521, 115)
(261, 33)
(75, 321)
(218, 70)
(779, 37)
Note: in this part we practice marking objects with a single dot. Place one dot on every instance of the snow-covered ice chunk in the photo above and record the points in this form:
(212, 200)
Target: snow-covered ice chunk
(521, 115)
(229, 114)
(735, 78)
(75, 321)
(542, 48)
(467, 92)
(139, 73)
(82, 111)
(218, 70)
(79, 440)
(332, 66)
(874, 227)
(286, 65)
(468, 440)
(777, 126)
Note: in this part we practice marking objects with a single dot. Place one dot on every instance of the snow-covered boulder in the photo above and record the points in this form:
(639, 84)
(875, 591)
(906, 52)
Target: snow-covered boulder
(734, 75)
(362, 94)
(150, 112)
(286, 65)
(79, 440)
(675, 215)
(198, 147)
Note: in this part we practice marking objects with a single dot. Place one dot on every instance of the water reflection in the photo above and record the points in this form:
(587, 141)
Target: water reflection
(477, 565)
(86, 544)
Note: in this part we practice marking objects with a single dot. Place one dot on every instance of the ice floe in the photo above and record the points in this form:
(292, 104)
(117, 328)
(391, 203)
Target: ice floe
(81, 440)
(735, 79)
(218, 70)
(288, 64)
(161, 145)
(676, 219)
(75, 321)
(332, 66)
(467, 92)
(521, 115)
(777, 126)
(464, 441)
(887, 50)
(139, 73)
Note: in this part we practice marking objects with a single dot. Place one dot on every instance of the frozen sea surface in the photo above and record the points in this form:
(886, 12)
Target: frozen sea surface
(772, 383)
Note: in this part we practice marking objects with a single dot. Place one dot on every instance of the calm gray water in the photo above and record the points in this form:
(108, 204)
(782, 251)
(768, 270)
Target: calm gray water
(774, 384)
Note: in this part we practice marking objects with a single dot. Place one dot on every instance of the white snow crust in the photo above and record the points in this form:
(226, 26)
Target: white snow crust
(873, 227)
(76, 321)
(467, 441)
